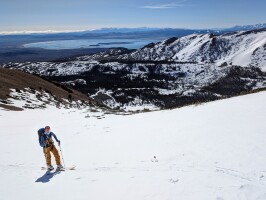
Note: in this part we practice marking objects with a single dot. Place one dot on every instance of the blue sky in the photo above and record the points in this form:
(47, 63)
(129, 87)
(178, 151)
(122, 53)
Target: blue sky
(16, 15)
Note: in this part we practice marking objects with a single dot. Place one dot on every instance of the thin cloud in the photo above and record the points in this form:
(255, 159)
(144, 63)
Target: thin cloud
(165, 5)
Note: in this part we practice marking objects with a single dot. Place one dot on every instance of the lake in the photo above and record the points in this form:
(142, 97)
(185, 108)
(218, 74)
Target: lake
(90, 43)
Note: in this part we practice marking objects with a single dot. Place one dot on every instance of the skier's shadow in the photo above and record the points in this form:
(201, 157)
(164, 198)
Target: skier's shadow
(47, 177)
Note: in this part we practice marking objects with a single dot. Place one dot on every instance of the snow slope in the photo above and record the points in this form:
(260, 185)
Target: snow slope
(214, 151)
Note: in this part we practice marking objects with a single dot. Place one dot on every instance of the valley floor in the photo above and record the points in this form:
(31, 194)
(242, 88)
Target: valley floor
(214, 151)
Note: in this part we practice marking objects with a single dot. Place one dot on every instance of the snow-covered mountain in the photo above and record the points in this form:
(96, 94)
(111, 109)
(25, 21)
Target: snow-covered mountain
(171, 73)
(241, 48)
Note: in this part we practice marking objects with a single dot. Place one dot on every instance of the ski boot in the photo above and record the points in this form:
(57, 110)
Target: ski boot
(50, 167)
(60, 168)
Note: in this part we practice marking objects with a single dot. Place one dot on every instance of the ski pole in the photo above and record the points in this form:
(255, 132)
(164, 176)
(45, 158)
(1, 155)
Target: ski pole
(62, 156)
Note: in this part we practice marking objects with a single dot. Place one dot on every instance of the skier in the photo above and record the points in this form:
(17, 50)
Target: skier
(46, 141)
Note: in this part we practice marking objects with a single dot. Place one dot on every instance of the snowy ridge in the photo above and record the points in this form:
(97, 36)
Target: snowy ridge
(241, 48)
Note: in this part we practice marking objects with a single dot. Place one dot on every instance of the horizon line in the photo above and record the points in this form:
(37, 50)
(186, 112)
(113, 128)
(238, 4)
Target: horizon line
(102, 28)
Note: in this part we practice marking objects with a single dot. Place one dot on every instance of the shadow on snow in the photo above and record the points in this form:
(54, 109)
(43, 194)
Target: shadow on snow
(47, 177)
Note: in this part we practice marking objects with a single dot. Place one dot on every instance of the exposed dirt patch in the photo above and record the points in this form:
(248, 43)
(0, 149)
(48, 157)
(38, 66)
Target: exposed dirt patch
(14, 79)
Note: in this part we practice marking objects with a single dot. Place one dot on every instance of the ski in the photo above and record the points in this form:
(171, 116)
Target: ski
(61, 169)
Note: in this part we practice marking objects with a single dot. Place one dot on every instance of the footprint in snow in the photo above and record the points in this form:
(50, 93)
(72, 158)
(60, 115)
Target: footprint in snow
(154, 159)
(262, 177)
(174, 180)
(103, 168)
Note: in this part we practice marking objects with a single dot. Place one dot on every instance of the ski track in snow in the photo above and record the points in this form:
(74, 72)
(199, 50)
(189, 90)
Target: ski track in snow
(214, 151)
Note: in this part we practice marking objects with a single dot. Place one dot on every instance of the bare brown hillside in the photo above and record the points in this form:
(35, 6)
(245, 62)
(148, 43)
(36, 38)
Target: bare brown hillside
(13, 79)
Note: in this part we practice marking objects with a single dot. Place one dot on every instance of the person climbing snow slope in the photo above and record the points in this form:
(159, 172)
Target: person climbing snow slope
(46, 141)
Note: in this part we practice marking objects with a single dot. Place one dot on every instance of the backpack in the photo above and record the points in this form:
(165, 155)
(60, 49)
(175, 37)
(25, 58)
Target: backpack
(40, 132)
(48, 142)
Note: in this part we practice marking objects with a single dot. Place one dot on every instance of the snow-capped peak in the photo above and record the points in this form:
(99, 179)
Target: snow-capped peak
(244, 48)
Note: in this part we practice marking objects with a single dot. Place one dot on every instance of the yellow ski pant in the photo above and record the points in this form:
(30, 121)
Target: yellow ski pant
(47, 152)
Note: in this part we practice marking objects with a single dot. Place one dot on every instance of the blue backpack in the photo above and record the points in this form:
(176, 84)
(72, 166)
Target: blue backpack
(44, 140)
(41, 131)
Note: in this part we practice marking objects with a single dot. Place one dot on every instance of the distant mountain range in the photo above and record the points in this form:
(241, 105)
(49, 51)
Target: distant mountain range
(146, 29)
(246, 27)
(141, 30)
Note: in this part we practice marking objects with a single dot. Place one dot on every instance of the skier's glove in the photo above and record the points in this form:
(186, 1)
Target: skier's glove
(59, 142)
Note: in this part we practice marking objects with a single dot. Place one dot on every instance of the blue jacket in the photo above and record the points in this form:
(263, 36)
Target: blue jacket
(44, 136)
